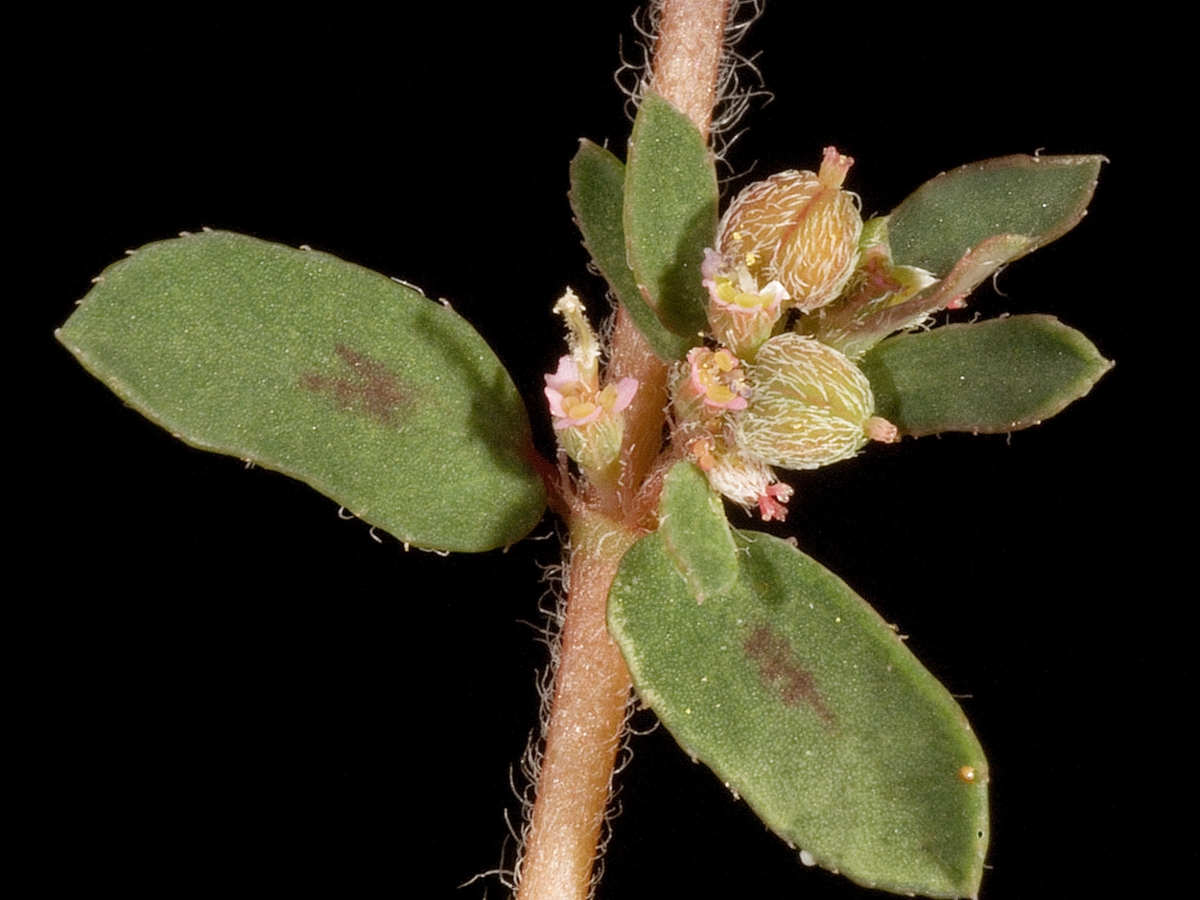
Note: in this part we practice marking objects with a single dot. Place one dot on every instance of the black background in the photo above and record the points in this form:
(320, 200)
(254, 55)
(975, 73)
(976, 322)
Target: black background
(225, 684)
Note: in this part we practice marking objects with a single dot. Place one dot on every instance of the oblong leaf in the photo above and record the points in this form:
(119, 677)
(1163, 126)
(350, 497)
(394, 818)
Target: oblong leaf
(597, 199)
(996, 376)
(385, 401)
(1038, 197)
(695, 531)
(670, 214)
(810, 707)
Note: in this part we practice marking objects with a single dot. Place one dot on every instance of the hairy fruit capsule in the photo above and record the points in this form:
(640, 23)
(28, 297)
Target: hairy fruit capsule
(810, 406)
(798, 228)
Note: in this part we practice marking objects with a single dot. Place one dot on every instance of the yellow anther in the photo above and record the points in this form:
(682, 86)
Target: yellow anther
(608, 397)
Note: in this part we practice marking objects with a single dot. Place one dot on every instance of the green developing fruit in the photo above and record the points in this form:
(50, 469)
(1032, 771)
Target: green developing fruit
(810, 406)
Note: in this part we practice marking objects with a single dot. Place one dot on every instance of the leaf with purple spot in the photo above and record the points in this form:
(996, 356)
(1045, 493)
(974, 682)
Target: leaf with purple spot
(811, 708)
(298, 361)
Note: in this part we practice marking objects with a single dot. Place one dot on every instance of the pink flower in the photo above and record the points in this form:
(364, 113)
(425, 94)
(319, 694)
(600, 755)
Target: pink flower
(717, 376)
(771, 501)
(735, 289)
(574, 402)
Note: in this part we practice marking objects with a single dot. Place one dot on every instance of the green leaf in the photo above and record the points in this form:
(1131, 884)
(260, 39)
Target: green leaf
(1041, 198)
(597, 199)
(809, 706)
(385, 401)
(996, 376)
(670, 214)
(696, 533)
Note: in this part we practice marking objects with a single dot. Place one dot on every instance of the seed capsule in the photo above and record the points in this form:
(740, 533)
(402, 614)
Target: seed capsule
(798, 228)
(810, 406)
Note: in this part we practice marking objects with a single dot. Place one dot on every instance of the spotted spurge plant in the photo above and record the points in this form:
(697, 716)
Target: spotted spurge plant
(782, 334)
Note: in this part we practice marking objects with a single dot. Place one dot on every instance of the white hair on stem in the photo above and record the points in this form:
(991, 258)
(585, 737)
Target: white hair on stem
(734, 94)
(739, 82)
(613, 808)
(552, 606)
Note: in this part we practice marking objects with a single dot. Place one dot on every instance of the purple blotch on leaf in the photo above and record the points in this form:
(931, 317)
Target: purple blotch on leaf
(779, 669)
(370, 387)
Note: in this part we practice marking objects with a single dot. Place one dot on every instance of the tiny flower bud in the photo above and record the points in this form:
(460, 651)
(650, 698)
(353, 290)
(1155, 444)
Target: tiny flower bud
(860, 318)
(810, 406)
(798, 228)
(877, 277)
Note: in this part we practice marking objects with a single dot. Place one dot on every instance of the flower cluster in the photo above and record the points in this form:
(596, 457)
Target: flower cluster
(588, 417)
(770, 394)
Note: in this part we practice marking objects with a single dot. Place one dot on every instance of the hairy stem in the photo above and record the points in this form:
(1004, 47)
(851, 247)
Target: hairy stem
(687, 56)
(633, 358)
(591, 690)
(592, 684)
